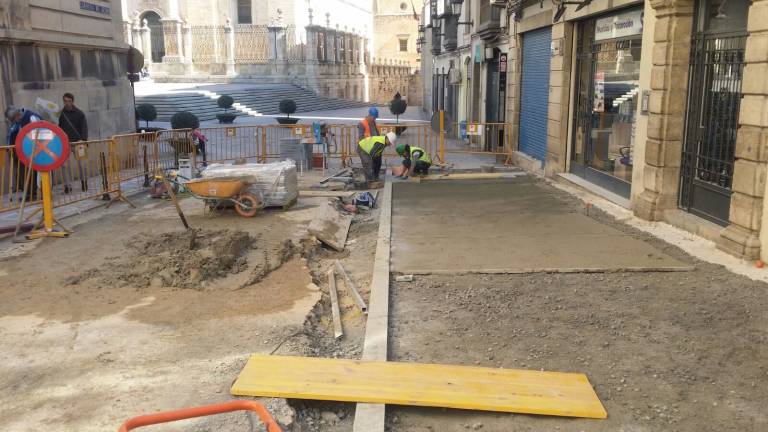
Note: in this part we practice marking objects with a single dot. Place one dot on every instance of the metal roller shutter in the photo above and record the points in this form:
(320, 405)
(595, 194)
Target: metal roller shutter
(534, 96)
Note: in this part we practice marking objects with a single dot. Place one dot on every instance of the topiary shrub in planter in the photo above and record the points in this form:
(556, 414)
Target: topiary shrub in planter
(225, 101)
(288, 107)
(397, 107)
(146, 112)
(182, 142)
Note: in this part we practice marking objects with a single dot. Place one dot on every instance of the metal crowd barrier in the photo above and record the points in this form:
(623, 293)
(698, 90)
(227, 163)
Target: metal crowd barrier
(99, 168)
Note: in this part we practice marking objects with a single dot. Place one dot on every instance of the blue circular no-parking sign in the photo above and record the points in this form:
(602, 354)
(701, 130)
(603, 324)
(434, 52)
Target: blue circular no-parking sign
(42, 145)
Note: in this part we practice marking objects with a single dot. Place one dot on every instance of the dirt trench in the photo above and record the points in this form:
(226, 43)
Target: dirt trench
(192, 259)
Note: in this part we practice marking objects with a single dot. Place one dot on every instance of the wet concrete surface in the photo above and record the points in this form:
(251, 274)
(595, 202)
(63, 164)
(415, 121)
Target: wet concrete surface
(508, 226)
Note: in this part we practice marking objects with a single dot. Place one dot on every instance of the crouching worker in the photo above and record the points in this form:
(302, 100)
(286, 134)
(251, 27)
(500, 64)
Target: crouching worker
(370, 150)
(415, 160)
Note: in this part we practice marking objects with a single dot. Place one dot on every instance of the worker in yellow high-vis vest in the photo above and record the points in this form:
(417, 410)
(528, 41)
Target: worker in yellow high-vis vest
(415, 160)
(370, 150)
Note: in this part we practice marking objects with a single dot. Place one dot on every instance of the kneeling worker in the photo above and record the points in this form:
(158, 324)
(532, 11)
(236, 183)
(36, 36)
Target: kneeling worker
(415, 160)
(370, 150)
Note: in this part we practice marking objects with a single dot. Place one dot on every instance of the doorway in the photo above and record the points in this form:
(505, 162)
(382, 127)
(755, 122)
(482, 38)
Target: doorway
(534, 92)
(157, 38)
(712, 119)
(608, 87)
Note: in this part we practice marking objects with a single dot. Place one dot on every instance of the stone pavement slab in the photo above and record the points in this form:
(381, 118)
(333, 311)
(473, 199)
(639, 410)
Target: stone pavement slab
(507, 226)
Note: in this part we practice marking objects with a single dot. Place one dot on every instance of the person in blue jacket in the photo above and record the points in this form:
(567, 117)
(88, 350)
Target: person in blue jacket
(17, 119)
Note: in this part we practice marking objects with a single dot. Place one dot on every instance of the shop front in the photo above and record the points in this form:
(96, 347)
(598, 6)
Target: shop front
(607, 94)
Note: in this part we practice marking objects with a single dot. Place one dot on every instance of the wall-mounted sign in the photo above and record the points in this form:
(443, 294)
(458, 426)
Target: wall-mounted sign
(474, 129)
(644, 102)
(599, 102)
(231, 131)
(104, 10)
(620, 25)
(478, 53)
(556, 47)
(503, 63)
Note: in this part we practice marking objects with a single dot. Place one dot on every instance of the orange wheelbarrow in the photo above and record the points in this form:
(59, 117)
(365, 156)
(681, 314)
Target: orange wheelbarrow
(203, 411)
(216, 190)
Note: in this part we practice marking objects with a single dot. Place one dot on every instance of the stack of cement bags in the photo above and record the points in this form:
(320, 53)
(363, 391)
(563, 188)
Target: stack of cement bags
(276, 184)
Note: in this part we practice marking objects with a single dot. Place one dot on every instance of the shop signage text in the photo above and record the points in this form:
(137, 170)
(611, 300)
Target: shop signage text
(620, 25)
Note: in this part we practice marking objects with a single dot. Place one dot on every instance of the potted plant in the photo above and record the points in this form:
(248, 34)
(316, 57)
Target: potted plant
(225, 101)
(147, 113)
(288, 107)
(397, 107)
(182, 141)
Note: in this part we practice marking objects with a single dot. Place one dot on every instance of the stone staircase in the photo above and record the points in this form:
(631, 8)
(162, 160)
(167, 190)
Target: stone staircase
(255, 101)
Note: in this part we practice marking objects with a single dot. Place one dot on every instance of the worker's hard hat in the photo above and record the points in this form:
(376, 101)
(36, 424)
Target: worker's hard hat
(373, 112)
(11, 112)
(392, 137)
(400, 149)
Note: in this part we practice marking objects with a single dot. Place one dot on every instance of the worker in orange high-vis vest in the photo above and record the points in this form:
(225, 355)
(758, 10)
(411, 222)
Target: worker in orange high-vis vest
(367, 126)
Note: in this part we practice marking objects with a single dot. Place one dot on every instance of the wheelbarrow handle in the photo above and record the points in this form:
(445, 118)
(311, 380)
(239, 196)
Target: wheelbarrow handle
(202, 411)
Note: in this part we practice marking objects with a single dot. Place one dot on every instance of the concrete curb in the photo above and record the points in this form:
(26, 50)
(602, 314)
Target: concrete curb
(371, 417)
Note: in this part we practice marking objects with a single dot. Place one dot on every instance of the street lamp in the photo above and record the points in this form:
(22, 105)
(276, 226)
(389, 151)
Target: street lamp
(456, 9)
(456, 6)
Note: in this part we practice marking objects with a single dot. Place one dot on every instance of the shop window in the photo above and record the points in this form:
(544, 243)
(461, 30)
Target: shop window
(403, 44)
(608, 91)
(244, 12)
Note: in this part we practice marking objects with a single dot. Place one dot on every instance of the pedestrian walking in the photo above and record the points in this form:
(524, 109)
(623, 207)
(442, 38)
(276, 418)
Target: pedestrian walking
(199, 139)
(73, 122)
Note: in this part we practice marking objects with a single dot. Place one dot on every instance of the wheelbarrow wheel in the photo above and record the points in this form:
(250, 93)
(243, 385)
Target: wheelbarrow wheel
(247, 205)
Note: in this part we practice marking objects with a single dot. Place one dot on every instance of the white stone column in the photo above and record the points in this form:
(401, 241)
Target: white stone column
(311, 43)
(229, 33)
(146, 39)
(136, 36)
(126, 20)
(188, 69)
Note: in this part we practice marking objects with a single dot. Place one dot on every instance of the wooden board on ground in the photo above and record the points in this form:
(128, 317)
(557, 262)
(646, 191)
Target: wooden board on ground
(338, 332)
(330, 226)
(462, 387)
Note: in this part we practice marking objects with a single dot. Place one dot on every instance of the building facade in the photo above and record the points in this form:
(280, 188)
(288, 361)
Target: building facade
(468, 51)
(76, 48)
(395, 30)
(658, 105)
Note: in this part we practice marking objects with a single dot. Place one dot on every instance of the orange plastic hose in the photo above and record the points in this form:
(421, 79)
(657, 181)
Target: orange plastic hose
(202, 411)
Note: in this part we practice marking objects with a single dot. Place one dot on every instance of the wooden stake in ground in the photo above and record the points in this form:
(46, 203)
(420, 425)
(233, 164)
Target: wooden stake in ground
(352, 288)
(337, 330)
(169, 189)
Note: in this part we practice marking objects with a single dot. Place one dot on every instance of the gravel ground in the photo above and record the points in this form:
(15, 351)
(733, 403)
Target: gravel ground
(682, 351)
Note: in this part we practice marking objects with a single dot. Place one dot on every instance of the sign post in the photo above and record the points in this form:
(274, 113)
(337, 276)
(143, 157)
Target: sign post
(44, 147)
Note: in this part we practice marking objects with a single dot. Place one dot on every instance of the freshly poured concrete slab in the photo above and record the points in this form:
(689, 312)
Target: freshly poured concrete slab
(507, 226)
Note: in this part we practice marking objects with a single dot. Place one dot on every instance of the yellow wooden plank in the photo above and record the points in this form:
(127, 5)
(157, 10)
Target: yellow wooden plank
(462, 387)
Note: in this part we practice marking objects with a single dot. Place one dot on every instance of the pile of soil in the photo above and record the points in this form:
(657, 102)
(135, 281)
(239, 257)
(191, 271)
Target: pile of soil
(178, 259)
